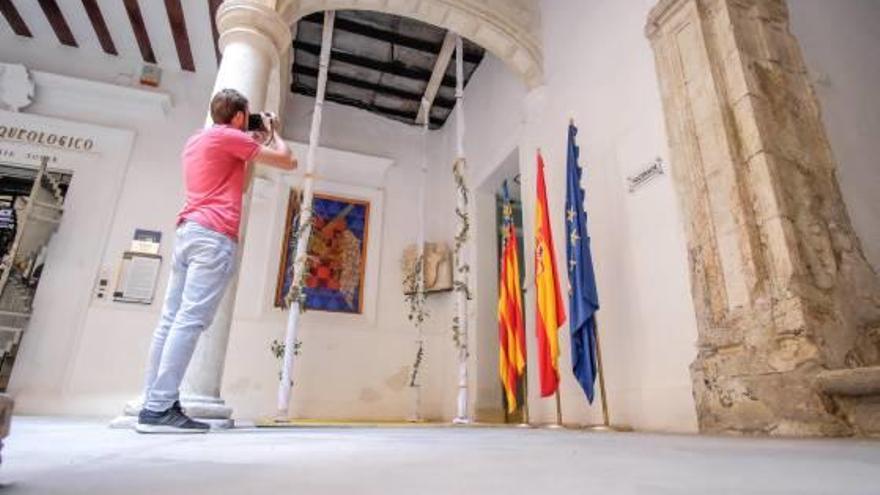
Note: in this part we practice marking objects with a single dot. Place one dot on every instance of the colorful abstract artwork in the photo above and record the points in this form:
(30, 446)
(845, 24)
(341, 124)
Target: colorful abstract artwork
(334, 278)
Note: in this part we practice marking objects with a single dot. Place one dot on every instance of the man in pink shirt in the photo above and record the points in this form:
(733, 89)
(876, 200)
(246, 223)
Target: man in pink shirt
(215, 162)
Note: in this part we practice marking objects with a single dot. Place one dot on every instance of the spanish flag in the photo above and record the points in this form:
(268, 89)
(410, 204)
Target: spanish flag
(511, 329)
(549, 305)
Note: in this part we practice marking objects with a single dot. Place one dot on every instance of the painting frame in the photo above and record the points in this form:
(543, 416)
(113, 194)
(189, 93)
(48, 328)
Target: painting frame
(284, 269)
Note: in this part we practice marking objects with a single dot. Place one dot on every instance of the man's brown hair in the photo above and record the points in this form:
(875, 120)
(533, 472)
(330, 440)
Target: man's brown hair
(225, 104)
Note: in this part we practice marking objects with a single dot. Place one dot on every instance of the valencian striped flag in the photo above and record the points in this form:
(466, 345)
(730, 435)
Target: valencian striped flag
(583, 299)
(511, 329)
(550, 309)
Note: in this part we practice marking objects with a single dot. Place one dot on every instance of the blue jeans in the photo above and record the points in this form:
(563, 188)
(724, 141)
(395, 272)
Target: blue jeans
(202, 264)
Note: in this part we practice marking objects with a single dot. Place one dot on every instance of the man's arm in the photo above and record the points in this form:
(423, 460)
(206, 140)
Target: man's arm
(276, 154)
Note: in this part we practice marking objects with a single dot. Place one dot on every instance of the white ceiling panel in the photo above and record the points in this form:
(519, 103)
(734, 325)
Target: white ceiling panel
(78, 20)
(5, 30)
(159, 29)
(201, 37)
(120, 29)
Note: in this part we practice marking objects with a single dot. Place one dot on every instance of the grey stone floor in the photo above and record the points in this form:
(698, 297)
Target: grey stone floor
(59, 456)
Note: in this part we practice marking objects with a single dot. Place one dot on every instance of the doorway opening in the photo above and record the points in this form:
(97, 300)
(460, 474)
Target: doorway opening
(31, 205)
(508, 201)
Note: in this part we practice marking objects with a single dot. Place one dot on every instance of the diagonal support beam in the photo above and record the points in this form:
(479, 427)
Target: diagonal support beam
(436, 80)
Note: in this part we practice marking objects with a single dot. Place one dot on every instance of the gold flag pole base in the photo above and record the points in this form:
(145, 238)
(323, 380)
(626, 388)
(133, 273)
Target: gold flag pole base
(558, 425)
(606, 425)
(608, 428)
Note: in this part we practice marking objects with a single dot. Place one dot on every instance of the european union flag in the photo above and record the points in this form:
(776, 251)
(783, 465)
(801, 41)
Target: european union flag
(583, 298)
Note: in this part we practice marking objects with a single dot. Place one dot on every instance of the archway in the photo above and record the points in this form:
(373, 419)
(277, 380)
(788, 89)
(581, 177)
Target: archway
(507, 30)
(255, 39)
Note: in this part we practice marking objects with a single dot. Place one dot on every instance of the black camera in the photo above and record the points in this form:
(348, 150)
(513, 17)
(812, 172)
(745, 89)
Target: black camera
(256, 122)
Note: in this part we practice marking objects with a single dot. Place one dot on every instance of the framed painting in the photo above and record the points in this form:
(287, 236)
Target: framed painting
(337, 255)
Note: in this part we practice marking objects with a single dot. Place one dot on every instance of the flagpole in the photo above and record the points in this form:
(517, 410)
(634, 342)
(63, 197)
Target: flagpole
(525, 406)
(524, 423)
(606, 416)
(558, 408)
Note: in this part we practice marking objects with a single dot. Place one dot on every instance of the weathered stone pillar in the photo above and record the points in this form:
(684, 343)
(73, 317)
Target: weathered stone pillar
(252, 39)
(780, 284)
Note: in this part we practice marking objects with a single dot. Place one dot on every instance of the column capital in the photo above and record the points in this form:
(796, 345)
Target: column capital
(254, 21)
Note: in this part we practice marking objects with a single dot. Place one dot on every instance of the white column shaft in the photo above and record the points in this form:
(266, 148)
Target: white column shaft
(245, 67)
(461, 299)
(305, 220)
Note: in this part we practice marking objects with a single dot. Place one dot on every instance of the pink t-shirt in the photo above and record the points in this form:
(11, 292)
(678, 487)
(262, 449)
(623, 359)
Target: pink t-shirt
(214, 162)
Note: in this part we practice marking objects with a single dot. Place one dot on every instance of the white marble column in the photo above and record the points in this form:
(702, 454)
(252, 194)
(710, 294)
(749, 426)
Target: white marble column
(252, 37)
(254, 40)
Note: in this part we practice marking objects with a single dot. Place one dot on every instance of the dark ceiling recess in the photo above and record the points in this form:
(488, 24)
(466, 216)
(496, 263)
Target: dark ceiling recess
(379, 62)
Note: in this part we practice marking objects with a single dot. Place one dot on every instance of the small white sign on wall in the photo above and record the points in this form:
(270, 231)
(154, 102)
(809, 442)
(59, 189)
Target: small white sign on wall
(648, 173)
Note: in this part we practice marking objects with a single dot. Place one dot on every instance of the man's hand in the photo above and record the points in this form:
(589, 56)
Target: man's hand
(267, 134)
(275, 152)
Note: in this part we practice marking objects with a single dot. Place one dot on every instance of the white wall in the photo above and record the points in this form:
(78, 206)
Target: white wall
(69, 369)
(356, 368)
(600, 71)
(840, 43)
(351, 368)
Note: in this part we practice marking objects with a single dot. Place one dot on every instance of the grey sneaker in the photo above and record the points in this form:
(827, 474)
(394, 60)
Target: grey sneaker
(173, 420)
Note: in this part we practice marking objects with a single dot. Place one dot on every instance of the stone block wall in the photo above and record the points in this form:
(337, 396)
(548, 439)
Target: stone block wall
(782, 289)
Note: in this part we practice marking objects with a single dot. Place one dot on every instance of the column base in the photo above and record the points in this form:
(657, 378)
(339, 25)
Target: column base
(211, 410)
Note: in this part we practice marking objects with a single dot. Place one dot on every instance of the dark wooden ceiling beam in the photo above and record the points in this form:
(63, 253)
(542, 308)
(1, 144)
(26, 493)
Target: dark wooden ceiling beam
(58, 22)
(379, 88)
(100, 26)
(393, 68)
(140, 30)
(14, 19)
(181, 37)
(408, 117)
(213, 5)
(390, 37)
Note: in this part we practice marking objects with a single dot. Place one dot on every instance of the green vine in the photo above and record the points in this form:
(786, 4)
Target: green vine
(462, 269)
(296, 293)
(414, 294)
(277, 349)
(417, 365)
